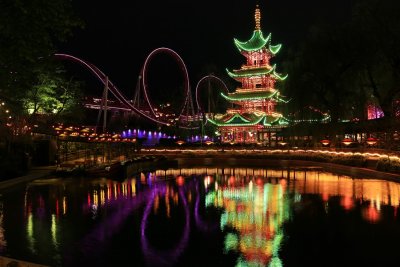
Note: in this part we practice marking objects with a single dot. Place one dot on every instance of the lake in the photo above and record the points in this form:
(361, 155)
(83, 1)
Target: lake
(202, 216)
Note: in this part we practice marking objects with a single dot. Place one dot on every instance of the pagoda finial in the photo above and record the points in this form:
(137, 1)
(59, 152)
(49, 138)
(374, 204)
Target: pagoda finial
(257, 17)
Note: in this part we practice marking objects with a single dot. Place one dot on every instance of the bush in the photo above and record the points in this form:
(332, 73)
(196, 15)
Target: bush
(357, 161)
(388, 165)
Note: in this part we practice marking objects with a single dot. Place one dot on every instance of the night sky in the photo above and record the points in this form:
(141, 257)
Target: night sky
(120, 34)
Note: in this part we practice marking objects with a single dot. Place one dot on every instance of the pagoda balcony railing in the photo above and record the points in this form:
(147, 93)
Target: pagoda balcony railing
(233, 111)
(247, 67)
(259, 89)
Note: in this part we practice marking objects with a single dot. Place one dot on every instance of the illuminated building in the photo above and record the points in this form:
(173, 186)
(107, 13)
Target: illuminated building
(254, 118)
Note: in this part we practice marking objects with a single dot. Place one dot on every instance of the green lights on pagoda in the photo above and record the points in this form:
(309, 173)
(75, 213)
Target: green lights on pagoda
(255, 101)
(256, 42)
(275, 48)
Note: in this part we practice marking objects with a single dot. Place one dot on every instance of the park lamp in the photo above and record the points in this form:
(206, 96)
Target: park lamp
(371, 141)
(180, 142)
(282, 143)
(325, 142)
(347, 141)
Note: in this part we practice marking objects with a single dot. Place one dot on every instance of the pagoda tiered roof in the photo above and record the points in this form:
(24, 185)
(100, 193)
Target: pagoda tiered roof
(256, 71)
(257, 42)
(249, 119)
(250, 95)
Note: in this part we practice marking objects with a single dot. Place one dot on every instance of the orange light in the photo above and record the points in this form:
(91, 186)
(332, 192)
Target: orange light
(371, 141)
(347, 141)
(180, 142)
(208, 142)
(325, 142)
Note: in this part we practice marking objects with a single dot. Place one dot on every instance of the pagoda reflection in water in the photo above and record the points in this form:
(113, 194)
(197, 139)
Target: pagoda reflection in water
(253, 217)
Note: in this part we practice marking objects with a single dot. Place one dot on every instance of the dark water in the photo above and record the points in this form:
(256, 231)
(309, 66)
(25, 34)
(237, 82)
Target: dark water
(204, 217)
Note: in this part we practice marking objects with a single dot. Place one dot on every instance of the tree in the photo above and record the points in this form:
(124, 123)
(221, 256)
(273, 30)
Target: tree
(29, 31)
(377, 25)
(53, 95)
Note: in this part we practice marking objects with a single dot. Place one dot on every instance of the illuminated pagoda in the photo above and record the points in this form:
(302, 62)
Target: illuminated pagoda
(254, 118)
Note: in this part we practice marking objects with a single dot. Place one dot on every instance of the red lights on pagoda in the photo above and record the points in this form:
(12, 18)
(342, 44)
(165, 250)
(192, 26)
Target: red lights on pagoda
(347, 141)
(371, 141)
(325, 142)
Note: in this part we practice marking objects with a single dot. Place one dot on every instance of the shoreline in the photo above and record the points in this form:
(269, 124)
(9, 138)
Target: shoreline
(230, 160)
(354, 172)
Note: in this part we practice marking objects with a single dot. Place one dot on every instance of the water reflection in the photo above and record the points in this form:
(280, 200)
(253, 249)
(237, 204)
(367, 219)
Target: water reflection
(98, 222)
(374, 193)
(254, 211)
(157, 257)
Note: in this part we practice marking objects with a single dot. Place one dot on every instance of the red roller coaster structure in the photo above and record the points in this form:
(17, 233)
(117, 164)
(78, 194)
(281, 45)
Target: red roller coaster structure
(186, 117)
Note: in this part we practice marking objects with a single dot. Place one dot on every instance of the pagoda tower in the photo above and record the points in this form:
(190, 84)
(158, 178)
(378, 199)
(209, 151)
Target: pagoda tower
(254, 118)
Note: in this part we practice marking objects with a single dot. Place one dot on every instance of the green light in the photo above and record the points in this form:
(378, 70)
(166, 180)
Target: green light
(210, 198)
(256, 42)
(266, 123)
(279, 77)
(231, 242)
(249, 96)
(275, 48)
(235, 124)
(275, 262)
(237, 116)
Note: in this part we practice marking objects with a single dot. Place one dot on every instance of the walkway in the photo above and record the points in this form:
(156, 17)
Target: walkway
(8, 262)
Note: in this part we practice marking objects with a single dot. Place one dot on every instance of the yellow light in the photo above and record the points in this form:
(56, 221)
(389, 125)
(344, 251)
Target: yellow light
(180, 142)
(325, 142)
(347, 141)
(371, 141)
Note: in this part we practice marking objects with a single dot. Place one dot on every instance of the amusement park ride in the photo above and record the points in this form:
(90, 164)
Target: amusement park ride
(112, 99)
(252, 116)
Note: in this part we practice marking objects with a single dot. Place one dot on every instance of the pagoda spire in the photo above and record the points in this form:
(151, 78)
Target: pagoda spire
(257, 17)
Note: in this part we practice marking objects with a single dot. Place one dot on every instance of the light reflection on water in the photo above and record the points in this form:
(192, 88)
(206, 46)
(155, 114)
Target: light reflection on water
(256, 214)
(81, 222)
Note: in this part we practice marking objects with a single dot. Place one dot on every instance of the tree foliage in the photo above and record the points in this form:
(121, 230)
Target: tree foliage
(53, 95)
(29, 33)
